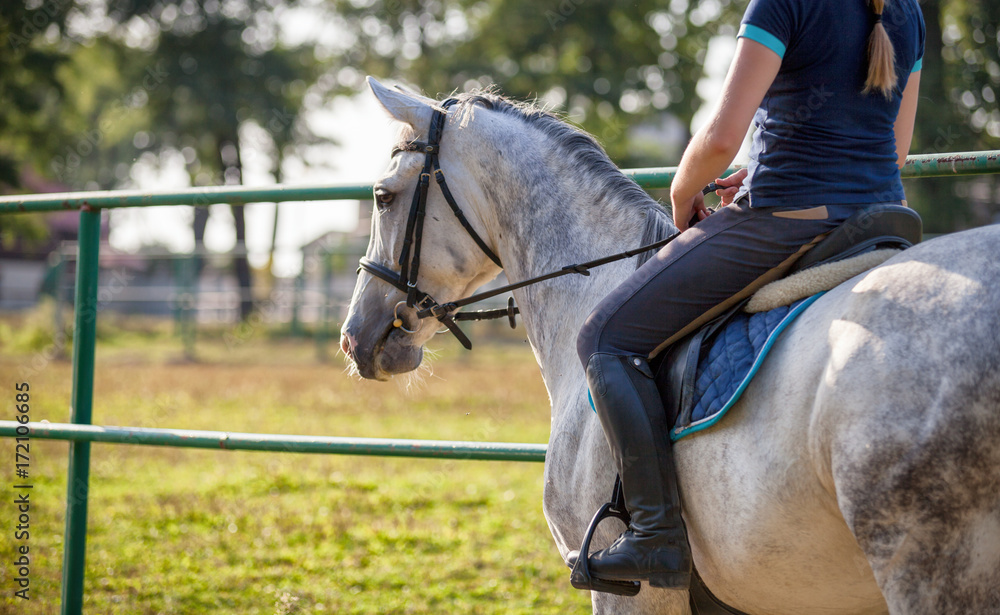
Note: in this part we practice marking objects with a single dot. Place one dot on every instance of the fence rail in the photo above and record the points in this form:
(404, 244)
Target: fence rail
(80, 433)
(923, 165)
(235, 441)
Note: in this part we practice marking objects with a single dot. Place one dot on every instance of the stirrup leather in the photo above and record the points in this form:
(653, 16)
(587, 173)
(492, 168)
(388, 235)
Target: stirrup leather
(580, 576)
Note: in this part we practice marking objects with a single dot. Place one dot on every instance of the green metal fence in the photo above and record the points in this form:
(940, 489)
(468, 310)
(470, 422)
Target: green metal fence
(80, 433)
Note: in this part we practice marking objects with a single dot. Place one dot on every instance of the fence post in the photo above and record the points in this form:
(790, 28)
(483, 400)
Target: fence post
(322, 325)
(58, 272)
(84, 342)
(189, 303)
(295, 327)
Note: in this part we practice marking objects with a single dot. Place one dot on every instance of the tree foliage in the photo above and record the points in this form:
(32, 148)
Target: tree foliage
(210, 68)
(30, 89)
(159, 77)
(608, 66)
(612, 67)
(31, 97)
(958, 110)
(971, 51)
(208, 71)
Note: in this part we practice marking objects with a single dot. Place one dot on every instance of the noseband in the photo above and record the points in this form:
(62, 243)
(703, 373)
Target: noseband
(409, 259)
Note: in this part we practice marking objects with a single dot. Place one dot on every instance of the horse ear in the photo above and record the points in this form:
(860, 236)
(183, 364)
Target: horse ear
(406, 107)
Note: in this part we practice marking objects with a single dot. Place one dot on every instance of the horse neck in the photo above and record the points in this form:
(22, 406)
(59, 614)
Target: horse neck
(550, 216)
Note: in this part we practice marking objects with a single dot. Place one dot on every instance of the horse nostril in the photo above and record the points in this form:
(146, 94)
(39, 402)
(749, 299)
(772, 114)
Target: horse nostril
(347, 344)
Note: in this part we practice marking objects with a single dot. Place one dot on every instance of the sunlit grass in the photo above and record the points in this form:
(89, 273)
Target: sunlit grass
(196, 531)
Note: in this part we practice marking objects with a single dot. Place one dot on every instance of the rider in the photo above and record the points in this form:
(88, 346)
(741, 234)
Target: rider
(831, 88)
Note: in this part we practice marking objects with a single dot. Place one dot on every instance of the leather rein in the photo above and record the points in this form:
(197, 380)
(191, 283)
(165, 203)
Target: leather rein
(405, 279)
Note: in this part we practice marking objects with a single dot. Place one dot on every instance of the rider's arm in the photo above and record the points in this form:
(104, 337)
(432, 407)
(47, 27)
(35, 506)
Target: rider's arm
(717, 142)
(906, 117)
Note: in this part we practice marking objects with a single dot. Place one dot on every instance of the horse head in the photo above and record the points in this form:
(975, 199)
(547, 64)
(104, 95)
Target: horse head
(417, 239)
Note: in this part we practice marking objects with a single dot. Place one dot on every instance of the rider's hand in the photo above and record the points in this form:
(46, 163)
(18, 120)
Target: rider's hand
(730, 186)
(686, 211)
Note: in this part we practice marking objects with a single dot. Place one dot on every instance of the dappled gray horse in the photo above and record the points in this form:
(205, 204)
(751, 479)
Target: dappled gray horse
(859, 473)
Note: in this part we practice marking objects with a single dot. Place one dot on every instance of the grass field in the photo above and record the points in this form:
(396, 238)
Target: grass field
(195, 531)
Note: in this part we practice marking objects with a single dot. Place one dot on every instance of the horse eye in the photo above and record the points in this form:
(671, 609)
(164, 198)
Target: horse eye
(383, 197)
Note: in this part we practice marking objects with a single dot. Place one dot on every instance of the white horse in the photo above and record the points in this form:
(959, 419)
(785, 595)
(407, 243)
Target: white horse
(859, 473)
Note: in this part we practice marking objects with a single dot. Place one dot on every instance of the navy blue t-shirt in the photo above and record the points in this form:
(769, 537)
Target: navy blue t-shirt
(818, 138)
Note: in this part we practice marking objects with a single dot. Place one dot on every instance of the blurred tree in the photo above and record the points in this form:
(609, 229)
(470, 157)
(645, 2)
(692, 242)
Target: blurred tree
(30, 90)
(101, 116)
(30, 93)
(971, 51)
(216, 75)
(958, 110)
(614, 66)
(158, 79)
(610, 66)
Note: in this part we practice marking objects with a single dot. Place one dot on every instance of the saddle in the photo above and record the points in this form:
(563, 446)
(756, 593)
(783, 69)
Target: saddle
(873, 232)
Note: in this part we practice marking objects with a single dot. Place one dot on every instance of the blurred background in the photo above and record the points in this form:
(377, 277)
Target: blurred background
(224, 317)
(167, 94)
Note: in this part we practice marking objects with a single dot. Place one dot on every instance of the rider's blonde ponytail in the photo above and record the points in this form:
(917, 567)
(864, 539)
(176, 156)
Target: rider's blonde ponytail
(881, 57)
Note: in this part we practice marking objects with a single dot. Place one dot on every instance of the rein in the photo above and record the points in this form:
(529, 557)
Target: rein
(405, 279)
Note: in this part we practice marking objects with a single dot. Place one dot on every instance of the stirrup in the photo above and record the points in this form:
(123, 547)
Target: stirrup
(580, 576)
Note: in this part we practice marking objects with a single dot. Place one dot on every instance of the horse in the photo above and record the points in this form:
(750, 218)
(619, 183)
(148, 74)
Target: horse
(860, 470)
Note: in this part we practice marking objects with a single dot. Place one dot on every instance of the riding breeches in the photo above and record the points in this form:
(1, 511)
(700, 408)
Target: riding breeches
(705, 271)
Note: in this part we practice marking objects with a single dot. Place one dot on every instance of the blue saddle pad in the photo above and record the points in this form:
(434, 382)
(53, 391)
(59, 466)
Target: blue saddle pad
(732, 360)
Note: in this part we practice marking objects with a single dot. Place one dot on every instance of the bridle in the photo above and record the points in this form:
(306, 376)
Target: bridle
(405, 279)
(409, 258)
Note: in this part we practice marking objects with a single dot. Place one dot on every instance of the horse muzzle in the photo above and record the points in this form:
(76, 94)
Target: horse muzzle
(379, 351)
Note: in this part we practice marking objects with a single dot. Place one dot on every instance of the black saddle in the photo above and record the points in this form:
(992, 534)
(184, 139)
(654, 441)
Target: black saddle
(873, 228)
(876, 227)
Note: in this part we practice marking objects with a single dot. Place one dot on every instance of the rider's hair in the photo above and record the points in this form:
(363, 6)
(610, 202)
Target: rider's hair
(881, 57)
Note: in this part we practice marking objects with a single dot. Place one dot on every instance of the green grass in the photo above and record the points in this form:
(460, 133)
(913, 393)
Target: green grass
(196, 531)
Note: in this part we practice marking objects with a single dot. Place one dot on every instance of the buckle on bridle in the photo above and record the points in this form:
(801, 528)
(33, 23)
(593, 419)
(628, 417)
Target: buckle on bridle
(437, 310)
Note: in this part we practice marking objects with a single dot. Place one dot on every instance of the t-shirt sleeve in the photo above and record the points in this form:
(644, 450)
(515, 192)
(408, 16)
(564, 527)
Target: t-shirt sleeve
(919, 63)
(770, 23)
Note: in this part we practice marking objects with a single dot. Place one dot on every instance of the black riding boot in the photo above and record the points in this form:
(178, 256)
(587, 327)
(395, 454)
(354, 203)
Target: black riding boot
(654, 548)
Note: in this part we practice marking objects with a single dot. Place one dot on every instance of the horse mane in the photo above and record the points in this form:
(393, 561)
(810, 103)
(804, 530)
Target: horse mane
(577, 146)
